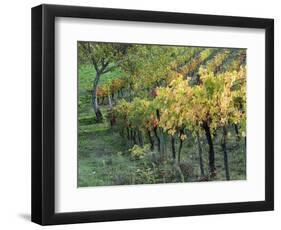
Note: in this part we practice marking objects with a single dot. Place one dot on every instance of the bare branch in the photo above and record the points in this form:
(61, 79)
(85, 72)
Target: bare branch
(95, 64)
(111, 67)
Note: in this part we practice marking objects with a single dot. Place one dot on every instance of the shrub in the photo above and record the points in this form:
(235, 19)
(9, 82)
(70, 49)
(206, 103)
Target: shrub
(144, 176)
(138, 152)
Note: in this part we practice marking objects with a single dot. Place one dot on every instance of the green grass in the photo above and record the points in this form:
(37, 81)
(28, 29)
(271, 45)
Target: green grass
(98, 147)
(99, 158)
(86, 74)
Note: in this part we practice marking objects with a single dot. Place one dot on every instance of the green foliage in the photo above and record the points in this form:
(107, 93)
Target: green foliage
(100, 55)
(138, 152)
(87, 120)
(86, 75)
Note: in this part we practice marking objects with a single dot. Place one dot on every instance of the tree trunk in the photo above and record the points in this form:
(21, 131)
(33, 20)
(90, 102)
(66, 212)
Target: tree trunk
(135, 137)
(110, 112)
(128, 133)
(200, 154)
(140, 138)
(109, 102)
(180, 147)
(225, 157)
(179, 153)
(173, 148)
(162, 142)
(161, 139)
(158, 139)
(179, 171)
(212, 167)
(132, 136)
(237, 132)
(150, 140)
(98, 113)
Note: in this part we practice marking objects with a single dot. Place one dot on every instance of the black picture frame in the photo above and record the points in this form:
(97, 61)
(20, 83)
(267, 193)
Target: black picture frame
(43, 114)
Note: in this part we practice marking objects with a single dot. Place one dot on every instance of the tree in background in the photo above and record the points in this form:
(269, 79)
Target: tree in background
(104, 57)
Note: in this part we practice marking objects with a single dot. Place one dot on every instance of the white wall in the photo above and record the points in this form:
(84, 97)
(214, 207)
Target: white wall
(15, 113)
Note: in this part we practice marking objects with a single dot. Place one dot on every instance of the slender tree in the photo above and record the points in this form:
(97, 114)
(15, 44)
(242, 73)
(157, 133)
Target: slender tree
(225, 156)
(104, 57)
(200, 154)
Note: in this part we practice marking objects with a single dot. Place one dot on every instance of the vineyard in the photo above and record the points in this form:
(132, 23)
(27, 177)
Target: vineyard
(152, 114)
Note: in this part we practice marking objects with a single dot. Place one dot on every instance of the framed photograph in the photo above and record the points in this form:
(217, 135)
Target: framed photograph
(142, 114)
